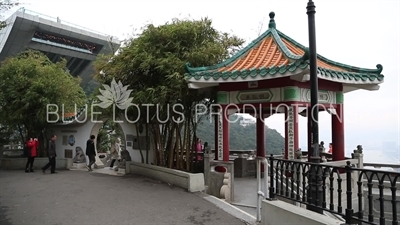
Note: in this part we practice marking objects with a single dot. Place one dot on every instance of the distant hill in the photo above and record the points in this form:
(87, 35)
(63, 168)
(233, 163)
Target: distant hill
(241, 137)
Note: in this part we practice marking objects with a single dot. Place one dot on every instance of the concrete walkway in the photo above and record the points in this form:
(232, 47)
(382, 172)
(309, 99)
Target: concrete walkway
(88, 198)
(246, 194)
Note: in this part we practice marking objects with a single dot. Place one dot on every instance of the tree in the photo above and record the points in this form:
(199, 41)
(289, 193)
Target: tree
(152, 64)
(4, 6)
(29, 84)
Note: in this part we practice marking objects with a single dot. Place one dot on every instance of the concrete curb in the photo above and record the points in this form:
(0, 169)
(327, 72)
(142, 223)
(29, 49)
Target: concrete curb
(231, 209)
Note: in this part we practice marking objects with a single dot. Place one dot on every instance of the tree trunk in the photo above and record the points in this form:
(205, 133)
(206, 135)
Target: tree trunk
(147, 143)
(138, 139)
(171, 146)
(188, 146)
(156, 156)
(179, 154)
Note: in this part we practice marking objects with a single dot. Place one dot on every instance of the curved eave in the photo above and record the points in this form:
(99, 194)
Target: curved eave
(277, 36)
(294, 68)
(80, 118)
(347, 80)
(302, 75)
(350, 68)
(232, 59)
(246, 75)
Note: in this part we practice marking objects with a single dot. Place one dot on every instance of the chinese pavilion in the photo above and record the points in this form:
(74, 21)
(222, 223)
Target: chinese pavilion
(271, 75)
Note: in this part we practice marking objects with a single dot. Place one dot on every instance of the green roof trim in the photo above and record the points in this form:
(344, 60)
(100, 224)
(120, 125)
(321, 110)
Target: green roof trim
(272, 23)
(297, 61)
(283, 47)
(263, 72)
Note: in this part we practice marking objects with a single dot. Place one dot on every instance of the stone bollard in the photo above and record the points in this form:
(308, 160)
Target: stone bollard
(225, 192)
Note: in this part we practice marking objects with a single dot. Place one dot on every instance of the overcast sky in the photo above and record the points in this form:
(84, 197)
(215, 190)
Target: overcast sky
(361, 33)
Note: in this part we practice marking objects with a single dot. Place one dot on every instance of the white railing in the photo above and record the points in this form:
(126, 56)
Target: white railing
(54, 19)
(262, 190)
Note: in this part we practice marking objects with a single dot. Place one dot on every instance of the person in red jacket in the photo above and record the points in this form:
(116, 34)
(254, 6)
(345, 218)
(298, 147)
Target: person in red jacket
(32, 147)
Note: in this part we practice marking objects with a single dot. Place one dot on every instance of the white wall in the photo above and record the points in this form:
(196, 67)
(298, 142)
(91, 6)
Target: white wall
(82, 132)
(279, 212)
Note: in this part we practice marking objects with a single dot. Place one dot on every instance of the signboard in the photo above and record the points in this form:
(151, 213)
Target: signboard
(256, 96)
(220, 137)
(323, 96)
(290, 137)
(253, 84)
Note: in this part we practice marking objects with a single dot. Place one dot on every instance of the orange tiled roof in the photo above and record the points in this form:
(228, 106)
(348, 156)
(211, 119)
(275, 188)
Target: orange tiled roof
(266, 54)
(69, 114)
(274, 52)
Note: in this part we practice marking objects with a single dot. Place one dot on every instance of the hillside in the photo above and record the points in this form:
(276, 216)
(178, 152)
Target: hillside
(242, 137)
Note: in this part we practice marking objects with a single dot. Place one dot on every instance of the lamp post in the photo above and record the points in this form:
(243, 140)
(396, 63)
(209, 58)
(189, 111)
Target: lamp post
(315, 181)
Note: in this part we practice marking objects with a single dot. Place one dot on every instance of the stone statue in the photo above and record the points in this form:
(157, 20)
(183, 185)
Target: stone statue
(359, 149)
(125, 156)
(79, 155)
(206, 148)
(322, 147)
(298, 154)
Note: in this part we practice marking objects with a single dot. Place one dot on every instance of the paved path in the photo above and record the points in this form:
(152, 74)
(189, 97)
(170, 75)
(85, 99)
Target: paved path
(79, 197)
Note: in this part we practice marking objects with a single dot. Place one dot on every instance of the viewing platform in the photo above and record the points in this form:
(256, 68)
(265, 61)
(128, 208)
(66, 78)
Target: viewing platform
(376, 198)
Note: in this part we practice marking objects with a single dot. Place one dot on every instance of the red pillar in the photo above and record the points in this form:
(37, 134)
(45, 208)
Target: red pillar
(338, 152)
(225, 133)
(291, 131)
(260, 135)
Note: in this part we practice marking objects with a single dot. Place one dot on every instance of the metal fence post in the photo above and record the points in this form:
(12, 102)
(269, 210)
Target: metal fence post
(349, 208)
(272, 181)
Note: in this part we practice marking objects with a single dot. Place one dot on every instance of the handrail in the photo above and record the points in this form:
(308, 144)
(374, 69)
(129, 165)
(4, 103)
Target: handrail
(261, 193)
(300, 194)
(336, 179)
(30, 12)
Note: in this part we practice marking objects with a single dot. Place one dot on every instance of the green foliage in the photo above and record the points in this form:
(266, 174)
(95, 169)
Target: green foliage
(29, 83)
(4, 6)
(242, 137)
(8, 134)
(152, 64)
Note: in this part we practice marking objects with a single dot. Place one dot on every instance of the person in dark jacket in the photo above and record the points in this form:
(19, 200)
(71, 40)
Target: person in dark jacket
(51, 153)
(31, 152)
(90, 152)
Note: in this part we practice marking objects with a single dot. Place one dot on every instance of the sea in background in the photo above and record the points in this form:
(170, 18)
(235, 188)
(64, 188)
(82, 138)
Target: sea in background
(377, 156)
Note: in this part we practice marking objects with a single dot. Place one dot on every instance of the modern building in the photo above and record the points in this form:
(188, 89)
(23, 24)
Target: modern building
(57, 39)
(247, 121)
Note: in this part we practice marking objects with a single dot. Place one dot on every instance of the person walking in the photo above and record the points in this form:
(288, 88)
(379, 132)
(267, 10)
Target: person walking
(90, 152)
(115, 152)
(52, 154)
(31, 147)
(199, 149)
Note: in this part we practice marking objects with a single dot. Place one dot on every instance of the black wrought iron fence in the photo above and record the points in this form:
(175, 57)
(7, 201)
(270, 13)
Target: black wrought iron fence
(360, 196)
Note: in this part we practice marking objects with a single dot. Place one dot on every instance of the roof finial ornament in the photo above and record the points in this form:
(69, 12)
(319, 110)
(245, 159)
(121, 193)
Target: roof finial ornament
(272, 21)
